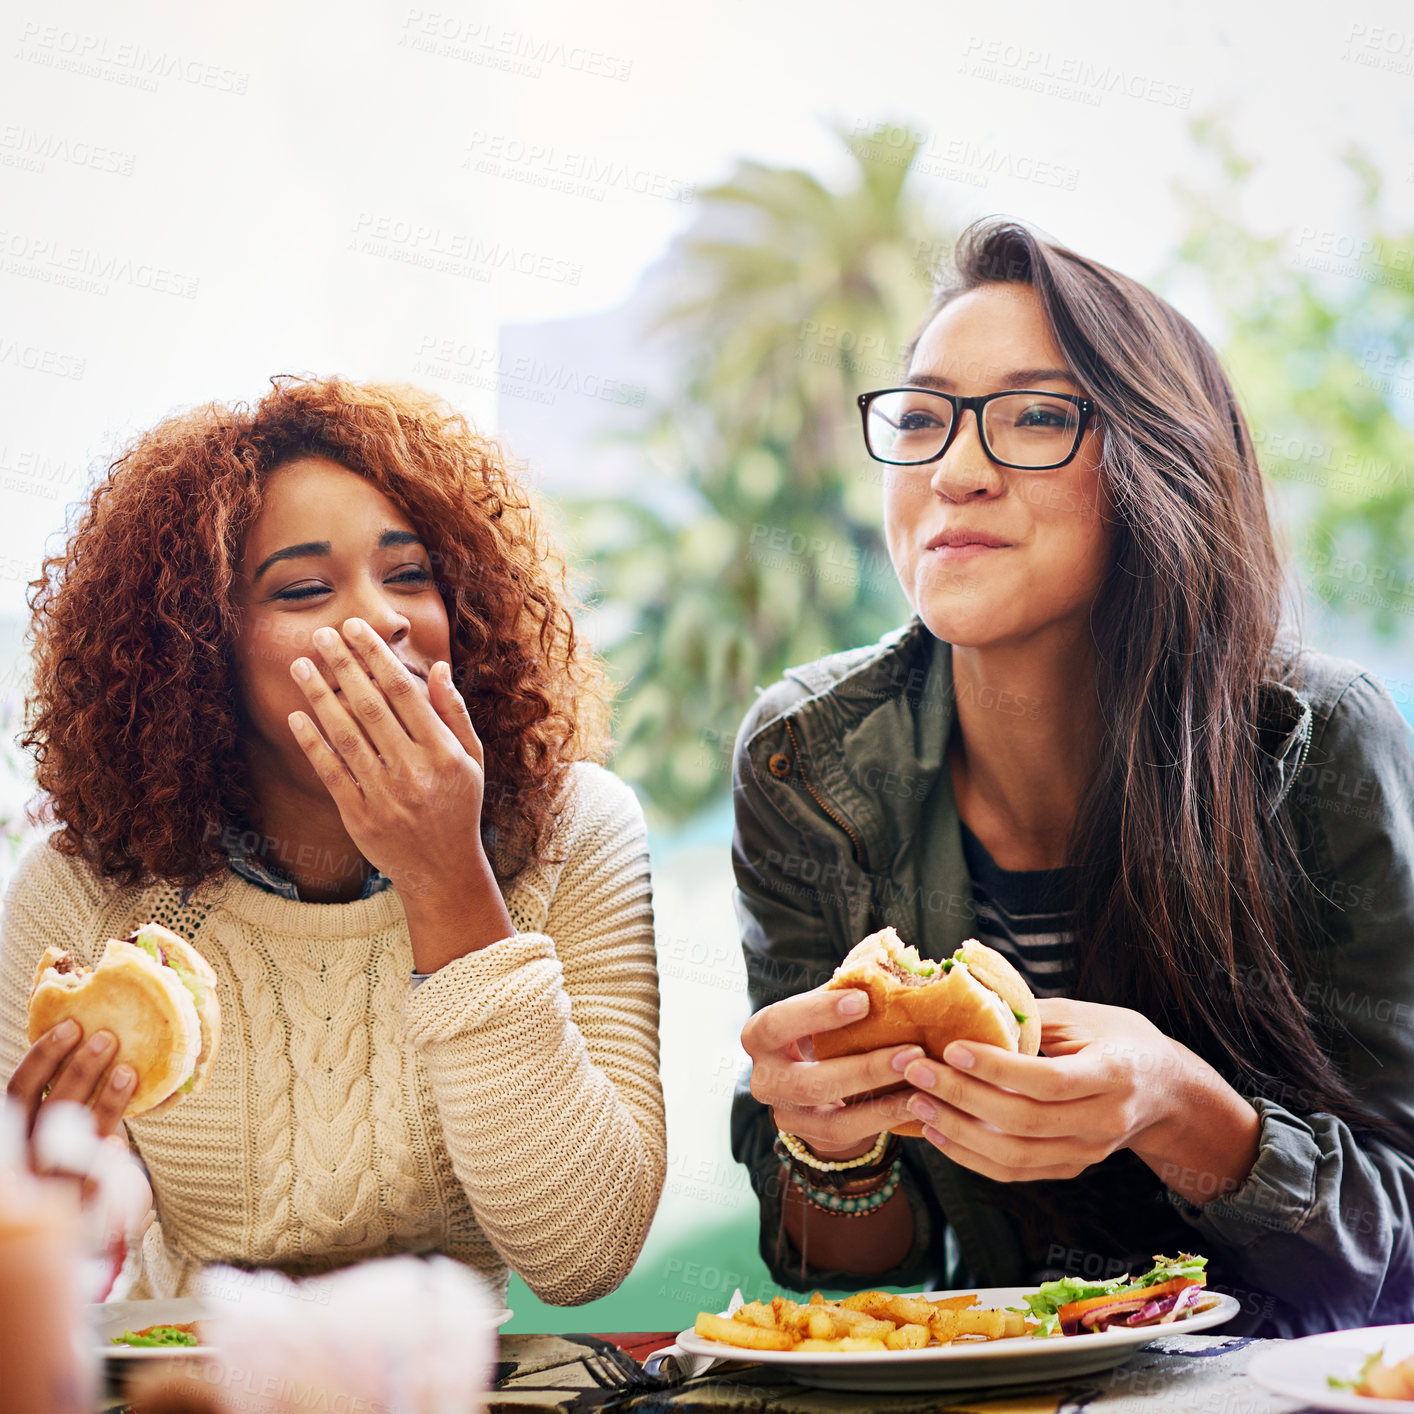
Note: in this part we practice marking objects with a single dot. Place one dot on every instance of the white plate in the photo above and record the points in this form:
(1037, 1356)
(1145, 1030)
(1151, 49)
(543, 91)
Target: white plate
(1300, 1369)
(1020, 1360)
(114, 1317)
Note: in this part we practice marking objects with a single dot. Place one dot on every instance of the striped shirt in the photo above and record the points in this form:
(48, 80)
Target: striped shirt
(1025, 915)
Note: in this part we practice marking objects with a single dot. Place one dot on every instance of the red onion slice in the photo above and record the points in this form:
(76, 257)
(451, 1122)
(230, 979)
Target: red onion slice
(1100, 1316)
(1167, 1309)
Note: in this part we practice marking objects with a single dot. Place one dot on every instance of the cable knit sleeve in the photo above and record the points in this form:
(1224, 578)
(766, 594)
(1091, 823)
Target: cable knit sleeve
(52, 901)
(542, 1054)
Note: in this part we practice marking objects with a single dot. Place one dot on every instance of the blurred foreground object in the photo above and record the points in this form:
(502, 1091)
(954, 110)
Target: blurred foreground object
(116, 1200)
(405, 1333)
(45, 1363)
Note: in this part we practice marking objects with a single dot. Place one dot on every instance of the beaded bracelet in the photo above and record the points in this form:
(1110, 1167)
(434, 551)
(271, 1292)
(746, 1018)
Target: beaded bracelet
(865, 1188)
(797, 1150)
(845, 1179)
(848, 1180)
(842, 1206)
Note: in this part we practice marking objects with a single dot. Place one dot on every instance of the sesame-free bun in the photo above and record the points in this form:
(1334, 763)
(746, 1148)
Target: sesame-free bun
(161, 1030)
(208, 1011)
(977, 999)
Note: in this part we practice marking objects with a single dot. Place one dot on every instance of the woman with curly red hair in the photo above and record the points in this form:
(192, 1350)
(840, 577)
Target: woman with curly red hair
(307, 690)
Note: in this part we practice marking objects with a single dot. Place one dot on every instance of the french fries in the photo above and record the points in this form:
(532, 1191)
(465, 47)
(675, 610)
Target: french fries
(866, 1321)
(733, 1332)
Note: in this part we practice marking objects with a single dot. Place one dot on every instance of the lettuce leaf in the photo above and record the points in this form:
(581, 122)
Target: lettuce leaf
(189, 980)
(920, 967)
(148, 945)
(1050, 1296)
(1370, 1361)
(157, 1335)
(157, 953)
(1171, 1268)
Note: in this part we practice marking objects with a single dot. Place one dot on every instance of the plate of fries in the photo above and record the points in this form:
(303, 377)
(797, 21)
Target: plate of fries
(935, 1340)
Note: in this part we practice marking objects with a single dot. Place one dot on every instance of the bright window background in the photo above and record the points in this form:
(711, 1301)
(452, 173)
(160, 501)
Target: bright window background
(194, 200)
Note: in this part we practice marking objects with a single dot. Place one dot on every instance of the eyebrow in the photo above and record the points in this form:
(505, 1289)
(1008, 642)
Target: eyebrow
(311, 548)
(1013, 378)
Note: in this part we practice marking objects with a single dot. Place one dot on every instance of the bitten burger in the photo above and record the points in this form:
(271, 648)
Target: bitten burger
(155, 993)
(974, 995)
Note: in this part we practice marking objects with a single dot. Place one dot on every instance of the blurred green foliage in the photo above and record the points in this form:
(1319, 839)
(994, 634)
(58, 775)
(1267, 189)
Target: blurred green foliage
(1319, 340)
(756, 541)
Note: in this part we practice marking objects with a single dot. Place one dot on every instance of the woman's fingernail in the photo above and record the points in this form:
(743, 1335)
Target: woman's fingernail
(66, 1030)
(936, 1139)
(122, 1077)
(855, 1004)
(920, 1108)
(303, 669)
(104, 1041)
(960, 1056)
(356, 628)
(325, 638)
(904, 1059)
(922, 1076)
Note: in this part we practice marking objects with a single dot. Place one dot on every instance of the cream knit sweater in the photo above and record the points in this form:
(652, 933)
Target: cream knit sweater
(508, 1111)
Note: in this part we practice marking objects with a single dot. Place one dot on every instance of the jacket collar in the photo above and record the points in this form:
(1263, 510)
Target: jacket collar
(1285, 725)
(892, 678)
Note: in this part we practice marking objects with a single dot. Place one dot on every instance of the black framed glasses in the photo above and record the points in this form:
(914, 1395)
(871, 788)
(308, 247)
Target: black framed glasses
(1025, 429)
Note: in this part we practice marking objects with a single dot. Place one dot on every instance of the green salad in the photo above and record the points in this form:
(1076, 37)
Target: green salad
(157, 1335)
(1050, 1296)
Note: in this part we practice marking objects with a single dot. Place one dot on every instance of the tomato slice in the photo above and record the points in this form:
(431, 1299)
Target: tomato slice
(1073, 1310)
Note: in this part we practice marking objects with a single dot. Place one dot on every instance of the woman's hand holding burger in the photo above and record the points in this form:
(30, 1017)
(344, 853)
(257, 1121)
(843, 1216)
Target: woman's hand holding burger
(405, 768)
(1108, 1079)
(812, 1098)
(69, 1066)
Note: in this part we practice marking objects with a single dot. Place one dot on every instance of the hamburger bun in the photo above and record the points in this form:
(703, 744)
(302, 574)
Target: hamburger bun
(975, 995)
(208, 1010)
(155, 993)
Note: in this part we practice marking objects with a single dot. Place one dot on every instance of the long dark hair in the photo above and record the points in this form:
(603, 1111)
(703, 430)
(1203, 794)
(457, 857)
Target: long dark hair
(1193, 906)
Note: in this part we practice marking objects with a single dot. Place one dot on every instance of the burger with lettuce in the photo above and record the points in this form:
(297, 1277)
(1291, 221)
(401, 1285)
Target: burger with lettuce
(155, 993)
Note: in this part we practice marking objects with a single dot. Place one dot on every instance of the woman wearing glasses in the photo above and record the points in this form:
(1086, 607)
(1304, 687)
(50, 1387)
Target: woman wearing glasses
(1091, 749)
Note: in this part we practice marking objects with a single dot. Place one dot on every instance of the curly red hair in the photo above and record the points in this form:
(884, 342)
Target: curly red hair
(134, 717)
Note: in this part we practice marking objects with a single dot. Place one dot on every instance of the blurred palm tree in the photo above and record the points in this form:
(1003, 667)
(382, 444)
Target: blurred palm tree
(758, 543)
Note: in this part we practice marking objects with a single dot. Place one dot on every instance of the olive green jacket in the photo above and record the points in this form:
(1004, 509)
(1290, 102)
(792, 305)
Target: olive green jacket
(832, 768)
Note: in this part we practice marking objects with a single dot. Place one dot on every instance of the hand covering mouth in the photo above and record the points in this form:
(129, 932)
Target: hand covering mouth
(416, 672)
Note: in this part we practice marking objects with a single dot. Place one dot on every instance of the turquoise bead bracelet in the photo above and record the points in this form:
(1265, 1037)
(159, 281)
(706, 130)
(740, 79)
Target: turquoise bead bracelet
(847, 1206)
